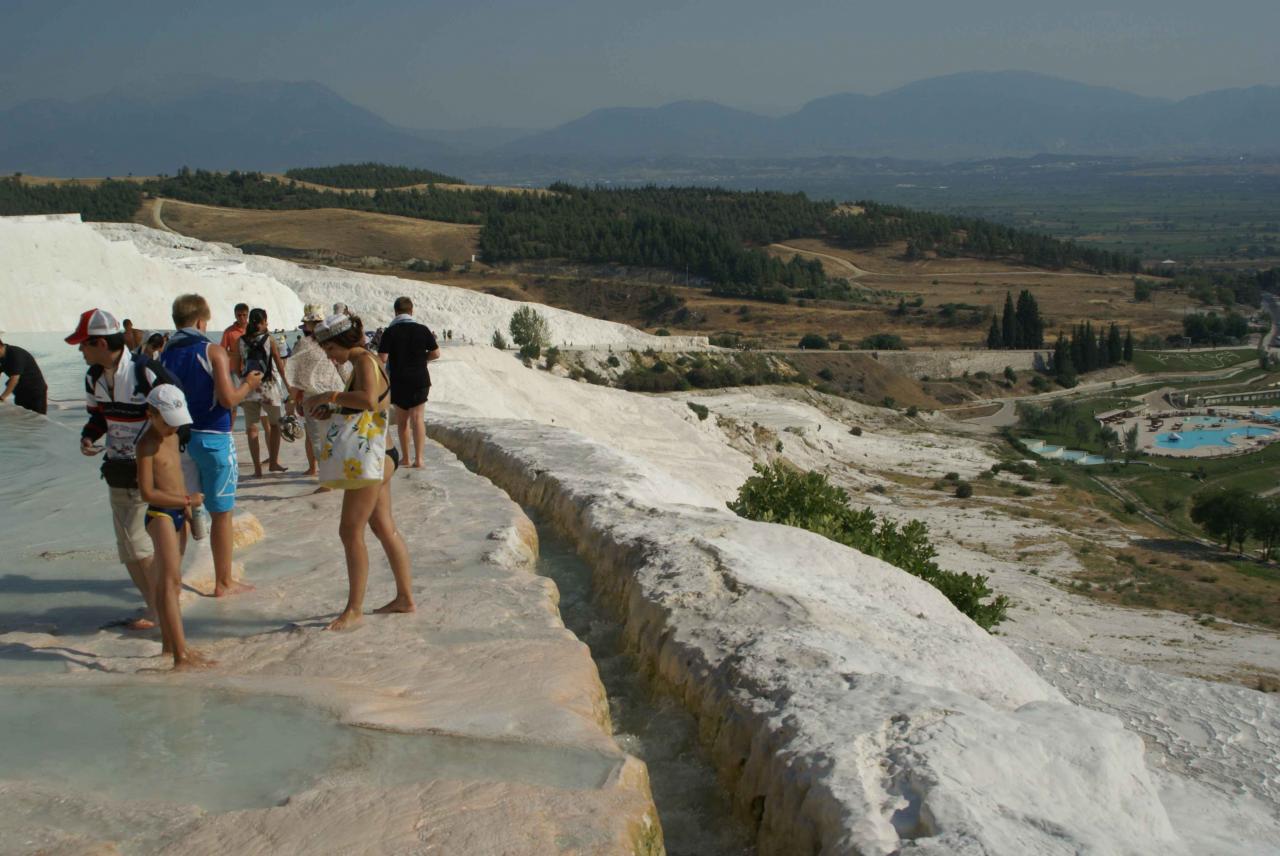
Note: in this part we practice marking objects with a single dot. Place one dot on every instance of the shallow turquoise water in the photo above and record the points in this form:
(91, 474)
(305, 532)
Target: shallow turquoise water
(1210, 436)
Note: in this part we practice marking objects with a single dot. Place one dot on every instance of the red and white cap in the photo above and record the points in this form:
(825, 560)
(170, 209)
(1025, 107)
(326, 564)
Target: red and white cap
(93, 323)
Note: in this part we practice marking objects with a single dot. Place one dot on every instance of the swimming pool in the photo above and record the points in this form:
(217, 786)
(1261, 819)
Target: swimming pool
(1210, 436)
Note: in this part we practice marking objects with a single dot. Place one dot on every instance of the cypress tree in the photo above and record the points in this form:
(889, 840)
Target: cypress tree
(1115, 346)
(1008, 331)
(993, 335)
(1128, 345)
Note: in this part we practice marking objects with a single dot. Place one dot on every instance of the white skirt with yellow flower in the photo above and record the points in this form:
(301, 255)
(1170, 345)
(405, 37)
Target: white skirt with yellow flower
(354, 450)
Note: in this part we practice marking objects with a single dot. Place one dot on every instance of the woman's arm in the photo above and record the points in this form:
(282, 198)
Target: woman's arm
(275, 355)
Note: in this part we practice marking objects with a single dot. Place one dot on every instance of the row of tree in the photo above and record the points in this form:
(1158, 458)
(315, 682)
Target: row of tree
(1233, 515)
(107, 201)
(948, 235)
(1018, 327)
(1214, 329)
(369, 175)
(1086, 350)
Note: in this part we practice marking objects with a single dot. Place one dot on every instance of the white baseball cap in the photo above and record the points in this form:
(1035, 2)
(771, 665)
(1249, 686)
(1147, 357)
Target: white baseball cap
(169, 401)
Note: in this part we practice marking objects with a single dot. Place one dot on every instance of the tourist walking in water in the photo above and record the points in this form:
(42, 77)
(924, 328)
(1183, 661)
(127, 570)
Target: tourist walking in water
(258, 352)
(204, 371)
(26, 384)
(169, 507)
(354, 458)
(309, 372)
(116, 388)
(406, 347)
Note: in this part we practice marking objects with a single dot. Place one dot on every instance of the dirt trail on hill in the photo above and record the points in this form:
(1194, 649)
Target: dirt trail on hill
(861, 272)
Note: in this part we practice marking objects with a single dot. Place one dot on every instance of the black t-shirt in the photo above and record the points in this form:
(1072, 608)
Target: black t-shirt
(18, 362)
(406, 345)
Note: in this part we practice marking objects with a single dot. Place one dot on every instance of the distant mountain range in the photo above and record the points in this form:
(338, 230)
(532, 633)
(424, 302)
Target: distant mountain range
(275, 125)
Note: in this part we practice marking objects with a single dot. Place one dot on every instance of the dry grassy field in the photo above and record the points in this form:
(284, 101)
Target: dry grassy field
(325, 231)
(1065, 297)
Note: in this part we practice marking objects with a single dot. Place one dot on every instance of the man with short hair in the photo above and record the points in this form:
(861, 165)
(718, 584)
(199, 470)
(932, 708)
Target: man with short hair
(26, 382)
(116, 398)
(231, 336)
(133, 337)
(406, 347)
(204, 371)
(308, 372)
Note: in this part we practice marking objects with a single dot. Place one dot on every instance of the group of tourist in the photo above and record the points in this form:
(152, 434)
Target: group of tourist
(161, 414)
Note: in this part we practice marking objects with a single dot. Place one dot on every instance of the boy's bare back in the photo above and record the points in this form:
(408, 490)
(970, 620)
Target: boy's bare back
(166, 464)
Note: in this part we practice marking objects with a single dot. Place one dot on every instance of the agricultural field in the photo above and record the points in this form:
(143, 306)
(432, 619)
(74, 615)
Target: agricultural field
(1192, 361)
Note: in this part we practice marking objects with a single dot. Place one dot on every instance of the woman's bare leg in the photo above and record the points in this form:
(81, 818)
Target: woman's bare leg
(419, 433)
(273, 448)
(383, 525)
(357, 508)
(251, 434)
(311, 452)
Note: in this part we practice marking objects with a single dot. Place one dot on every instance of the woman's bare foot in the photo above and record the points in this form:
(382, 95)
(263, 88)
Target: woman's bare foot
(312, 472)
(417, 465)
(192, 659)
(257, 472)
(401, 603)
(278, 468)
(234, 587)
(139, 624)
(348, 620)
(322, 489)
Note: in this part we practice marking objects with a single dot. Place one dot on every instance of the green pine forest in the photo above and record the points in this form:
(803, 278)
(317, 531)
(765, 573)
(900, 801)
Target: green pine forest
(715, 237)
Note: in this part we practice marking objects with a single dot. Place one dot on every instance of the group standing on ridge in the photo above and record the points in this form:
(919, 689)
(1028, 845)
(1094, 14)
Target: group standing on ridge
(161, 411)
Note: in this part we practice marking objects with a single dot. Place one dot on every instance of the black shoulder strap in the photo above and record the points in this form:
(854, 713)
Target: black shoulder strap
(141, 362)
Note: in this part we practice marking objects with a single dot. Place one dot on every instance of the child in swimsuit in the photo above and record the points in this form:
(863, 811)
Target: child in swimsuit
(161, 483)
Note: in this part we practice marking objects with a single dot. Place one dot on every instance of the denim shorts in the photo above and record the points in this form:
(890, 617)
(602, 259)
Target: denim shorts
(213, 456)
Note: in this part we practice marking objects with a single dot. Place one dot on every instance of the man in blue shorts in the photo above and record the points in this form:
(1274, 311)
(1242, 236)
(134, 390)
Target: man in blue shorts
(204, 370)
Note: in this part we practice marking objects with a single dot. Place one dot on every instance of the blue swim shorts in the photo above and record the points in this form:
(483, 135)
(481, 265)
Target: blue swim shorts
(214, 456)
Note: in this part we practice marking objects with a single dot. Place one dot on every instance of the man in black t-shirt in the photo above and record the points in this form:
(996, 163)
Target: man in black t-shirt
(405, 348)
(26, 383)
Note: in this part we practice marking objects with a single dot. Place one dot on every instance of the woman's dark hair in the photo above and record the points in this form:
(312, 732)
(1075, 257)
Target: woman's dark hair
(155, 340)
(256, 318)
(352, 337)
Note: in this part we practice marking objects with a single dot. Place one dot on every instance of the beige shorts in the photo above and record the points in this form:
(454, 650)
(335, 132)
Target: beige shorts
(129, 516)
(255, 410)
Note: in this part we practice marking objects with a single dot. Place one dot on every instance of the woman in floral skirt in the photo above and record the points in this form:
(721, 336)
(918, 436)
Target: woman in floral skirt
(353, 457)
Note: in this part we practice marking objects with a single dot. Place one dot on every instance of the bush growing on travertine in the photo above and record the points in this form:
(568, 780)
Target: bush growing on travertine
(528, 327)
(499, 341)
(779, 494)
(700, 409)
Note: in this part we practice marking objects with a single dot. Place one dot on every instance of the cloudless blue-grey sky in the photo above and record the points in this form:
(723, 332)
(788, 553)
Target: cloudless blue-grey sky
(519, 63)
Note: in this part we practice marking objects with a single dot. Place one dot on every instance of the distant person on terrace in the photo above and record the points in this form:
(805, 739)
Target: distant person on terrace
(354, 458)
(309, 372)
(26, 382)
(406, 347)
(258, 352)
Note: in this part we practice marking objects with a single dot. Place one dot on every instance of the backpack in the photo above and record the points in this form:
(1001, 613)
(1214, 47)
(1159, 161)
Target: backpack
(258, 358)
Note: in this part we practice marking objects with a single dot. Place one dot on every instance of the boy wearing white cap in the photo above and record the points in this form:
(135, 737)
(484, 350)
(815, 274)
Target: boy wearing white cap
(163, 487)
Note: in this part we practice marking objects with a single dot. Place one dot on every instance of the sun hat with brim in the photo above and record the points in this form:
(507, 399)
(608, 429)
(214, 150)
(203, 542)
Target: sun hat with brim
(94, 323)
(332, 326)
(171, 404)
(312, 312)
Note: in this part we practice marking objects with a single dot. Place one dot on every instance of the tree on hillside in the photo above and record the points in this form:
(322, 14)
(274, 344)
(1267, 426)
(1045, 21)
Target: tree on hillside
(994, 342)
(1226, 514)
(1008, 323)
(1131, 443)
(529, 328)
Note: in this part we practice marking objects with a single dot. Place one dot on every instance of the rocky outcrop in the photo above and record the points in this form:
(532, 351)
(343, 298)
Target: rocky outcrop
(848, 706)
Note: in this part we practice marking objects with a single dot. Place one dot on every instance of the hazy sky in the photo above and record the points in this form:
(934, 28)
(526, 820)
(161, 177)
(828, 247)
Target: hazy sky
(463, 63)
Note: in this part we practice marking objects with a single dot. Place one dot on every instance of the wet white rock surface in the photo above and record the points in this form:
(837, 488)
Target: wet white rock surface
(527, 763)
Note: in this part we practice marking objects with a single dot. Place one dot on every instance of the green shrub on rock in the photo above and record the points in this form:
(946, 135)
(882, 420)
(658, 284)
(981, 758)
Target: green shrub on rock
(779, 494)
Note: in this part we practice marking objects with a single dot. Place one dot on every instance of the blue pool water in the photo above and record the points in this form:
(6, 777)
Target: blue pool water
(1210, 436)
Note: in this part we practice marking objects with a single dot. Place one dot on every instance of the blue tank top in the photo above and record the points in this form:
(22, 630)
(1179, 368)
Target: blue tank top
(187, 356)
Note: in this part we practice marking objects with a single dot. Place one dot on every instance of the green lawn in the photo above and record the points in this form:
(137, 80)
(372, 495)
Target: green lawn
(1192, 361)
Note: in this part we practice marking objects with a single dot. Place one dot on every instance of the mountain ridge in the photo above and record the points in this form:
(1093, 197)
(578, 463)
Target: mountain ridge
(274, 125)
